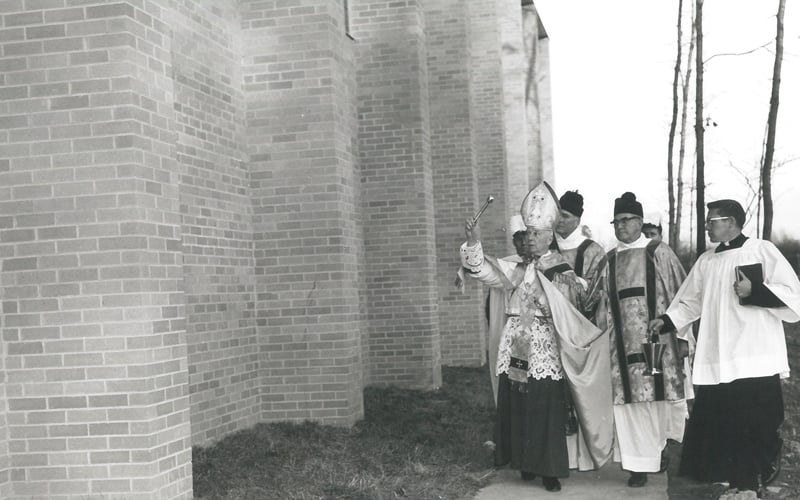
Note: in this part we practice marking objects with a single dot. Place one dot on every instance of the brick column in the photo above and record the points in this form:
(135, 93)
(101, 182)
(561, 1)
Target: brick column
(397, 193)
(454, 177)
(487, 123)
(93, 312)
(217, 214)
(545, 107)
(5, 461)
(515, 126)
(300, 132)
(537, 95)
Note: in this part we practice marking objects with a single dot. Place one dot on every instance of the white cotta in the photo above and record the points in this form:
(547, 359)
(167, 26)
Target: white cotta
(737, 341)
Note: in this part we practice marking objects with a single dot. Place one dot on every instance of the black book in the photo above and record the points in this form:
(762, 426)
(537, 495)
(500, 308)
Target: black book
(755, 273)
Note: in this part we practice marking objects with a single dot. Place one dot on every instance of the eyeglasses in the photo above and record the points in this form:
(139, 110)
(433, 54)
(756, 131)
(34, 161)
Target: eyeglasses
(624, 220)
(712, 219)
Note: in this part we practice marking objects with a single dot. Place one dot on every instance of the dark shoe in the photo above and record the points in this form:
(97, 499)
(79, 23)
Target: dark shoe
(527, 476)
(772, 470)
(551, 484)
(771, 473)
(637, 479)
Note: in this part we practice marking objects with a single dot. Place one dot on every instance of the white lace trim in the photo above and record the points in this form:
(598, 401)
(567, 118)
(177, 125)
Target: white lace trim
(510, 334)
(543, 358)
(544, 361)
(472, 256)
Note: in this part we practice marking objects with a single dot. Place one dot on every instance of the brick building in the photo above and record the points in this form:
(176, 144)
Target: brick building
(215, 213)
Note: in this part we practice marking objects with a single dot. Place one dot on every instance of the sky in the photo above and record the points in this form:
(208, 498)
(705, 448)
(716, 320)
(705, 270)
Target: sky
(612, 66)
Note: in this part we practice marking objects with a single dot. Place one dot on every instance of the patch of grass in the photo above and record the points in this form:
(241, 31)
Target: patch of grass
(411, 444)
(788, 482)
(415, 445)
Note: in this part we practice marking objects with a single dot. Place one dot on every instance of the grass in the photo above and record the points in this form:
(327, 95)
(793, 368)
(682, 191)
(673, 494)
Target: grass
(410, 444)
(415, 445)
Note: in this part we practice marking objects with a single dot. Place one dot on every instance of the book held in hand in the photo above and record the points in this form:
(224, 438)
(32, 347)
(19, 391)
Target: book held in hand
(755, 273)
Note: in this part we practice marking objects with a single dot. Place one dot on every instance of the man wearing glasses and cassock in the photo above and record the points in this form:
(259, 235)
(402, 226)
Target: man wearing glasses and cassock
(741, 290)
(636, 284)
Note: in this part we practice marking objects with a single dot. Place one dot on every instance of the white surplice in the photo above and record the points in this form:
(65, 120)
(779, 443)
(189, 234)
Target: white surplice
(737, 341)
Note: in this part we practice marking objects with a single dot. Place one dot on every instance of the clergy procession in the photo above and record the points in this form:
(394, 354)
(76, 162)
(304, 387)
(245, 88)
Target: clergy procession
(602, 356)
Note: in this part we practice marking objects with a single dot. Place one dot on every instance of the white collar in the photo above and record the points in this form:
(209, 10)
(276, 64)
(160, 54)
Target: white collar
(640, 243)
(574, 240)
(546, 254)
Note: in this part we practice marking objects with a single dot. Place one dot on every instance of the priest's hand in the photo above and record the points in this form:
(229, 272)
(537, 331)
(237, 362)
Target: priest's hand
(655, 326)
(743, 287)
(471, 232)
(683, 348)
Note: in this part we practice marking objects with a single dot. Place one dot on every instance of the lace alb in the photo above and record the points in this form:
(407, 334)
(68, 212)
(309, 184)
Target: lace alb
(534, 326)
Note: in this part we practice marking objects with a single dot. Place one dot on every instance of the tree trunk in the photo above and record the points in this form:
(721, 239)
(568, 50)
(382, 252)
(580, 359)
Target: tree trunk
(772, 120)
(673, 240)
(698, 132)
(684, 113)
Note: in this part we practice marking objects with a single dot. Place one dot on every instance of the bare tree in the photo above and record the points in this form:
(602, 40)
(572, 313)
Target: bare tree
(760, 190)
(691, 212)
(673, 240)
(698, 131)
(751, 177)
(682, 151)
(772, 119)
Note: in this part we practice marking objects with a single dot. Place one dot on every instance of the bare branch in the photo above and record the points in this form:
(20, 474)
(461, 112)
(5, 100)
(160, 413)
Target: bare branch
(738, 53)
(784, 162)
(754, 192)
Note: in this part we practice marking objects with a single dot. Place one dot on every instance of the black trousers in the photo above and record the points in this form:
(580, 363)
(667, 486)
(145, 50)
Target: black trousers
(732, 433)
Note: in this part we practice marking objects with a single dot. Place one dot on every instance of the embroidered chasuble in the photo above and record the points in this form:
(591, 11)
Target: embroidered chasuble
(582, 254)
(640, 284)
(636, 284)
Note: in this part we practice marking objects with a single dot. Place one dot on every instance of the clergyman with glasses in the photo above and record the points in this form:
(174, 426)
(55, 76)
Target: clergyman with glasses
(742, 290)
(637, 282)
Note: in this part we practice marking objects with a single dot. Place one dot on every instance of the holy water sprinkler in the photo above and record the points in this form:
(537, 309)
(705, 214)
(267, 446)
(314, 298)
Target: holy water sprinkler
(485, 205)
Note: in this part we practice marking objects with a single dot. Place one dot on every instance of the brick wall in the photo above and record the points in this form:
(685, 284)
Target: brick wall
(537, 97)
(486, 122)
(455, 184)
(216, 219)
(5, 461)
(545, 107)
(300, 132)
(397, 193)
(513, 91)
(219, 213)
(93, 327)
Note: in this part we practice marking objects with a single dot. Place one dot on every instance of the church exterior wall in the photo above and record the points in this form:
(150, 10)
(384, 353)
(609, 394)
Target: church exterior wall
(214, 214)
